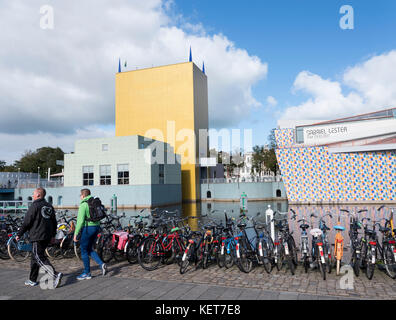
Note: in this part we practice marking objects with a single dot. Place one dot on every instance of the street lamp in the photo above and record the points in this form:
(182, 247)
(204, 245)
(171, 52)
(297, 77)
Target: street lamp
(19, 171)
(38, 177)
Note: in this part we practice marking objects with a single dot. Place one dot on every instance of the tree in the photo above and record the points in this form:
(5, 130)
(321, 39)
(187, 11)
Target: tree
(44, 158)
(257, 160)
(270, 160)
(2, 165)
(265, 157)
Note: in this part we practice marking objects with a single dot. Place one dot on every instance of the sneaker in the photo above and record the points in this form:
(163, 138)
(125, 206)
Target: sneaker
(84, 276)
(31, 283)
(58, 279)
(104, 269)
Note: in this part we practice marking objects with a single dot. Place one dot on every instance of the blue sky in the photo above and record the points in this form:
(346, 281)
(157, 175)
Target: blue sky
(310, 66)
(292, 36)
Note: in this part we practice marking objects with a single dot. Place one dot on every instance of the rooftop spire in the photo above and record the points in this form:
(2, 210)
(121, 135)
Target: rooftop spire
(203, 67)
(119, 65)
(190, 60)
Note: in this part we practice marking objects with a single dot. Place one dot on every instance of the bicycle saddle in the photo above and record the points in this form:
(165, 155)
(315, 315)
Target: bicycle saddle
(304, 226)
(316, 232)
(341, 228)
(242, 225)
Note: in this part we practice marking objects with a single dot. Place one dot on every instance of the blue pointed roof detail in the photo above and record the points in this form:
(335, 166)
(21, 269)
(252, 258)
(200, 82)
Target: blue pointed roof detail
(203, 67)
(190, 60)
(119, 65)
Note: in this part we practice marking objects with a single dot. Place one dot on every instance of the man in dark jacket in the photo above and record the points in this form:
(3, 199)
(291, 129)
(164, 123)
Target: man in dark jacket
(40, 222)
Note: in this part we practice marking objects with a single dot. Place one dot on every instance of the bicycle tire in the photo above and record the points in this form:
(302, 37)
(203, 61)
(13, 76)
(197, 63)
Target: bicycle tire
(150, 251)
(280, 259)
(131, 252)
(322, 266)
(77, 250)
(369, 266)
(338, 265)
(205, 262)
(15, 254)
(291, 265)
(244, 263)
(220, 259)
(228, 260)
(293, 250)
(306, 263)
(389, 261)
(106, 249)
(3, 245)
(355, 262)
(189, 257)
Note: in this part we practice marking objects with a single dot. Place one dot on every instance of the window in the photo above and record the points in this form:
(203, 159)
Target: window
(300, 135)
(161, 174)
(105, 147)
(88, 176)
(123, 174)
(105, 175)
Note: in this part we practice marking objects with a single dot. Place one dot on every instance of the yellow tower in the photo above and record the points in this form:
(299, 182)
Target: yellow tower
(172, 99)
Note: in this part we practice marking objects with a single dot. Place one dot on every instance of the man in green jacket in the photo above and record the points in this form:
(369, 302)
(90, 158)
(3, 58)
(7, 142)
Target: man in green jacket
(89, 232)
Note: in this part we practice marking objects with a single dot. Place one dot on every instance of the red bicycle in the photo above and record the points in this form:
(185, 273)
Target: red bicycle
(161, 246)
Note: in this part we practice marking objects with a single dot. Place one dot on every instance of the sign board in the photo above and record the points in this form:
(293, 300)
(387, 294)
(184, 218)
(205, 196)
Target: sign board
(337, 132)
(208, 162)
(60, 163)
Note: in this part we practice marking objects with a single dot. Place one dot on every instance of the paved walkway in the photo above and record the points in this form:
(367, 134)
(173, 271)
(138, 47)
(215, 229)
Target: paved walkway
(125, 281)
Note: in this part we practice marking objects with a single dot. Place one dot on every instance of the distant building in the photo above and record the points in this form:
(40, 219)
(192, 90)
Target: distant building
(348, 160)
(123, 166)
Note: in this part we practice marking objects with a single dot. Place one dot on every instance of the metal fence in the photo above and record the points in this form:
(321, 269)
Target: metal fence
(24, 184)
(240, 179)
(14, 206)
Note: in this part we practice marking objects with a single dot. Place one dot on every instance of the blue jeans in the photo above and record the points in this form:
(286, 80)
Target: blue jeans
(88, 237)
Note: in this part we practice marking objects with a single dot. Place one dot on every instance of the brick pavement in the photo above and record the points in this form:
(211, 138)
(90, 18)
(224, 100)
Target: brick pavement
(126, 281)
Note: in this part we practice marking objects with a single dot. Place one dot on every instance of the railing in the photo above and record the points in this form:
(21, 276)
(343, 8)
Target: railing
(14, 206)
(42, 183)
(240, 179)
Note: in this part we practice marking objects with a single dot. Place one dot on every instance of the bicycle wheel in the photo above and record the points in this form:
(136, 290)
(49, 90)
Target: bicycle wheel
(221, 257)
(266, 261)
(291, 265)
(228, 260)
(328, 259)
(370, 266)
(187, 258)
(131, 252)
(106, 251)
(355, 262)
(338, 265)
(244, 263)
(200, 255)
(77, 250)
(150, 254)
(306, 263)
(16, 254)
(205, 261)
(279, 258)
(293, 250)
(322, 267)
(389, 261)
(53, 252)
(3, 245)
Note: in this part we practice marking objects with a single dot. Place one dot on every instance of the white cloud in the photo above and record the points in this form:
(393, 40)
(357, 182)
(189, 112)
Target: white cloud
(14, 145)
(62, 80)
(371, 86)
(68, 73)
(272, 102)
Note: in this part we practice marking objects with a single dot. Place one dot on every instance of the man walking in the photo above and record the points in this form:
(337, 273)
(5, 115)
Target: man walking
(40, 221)
(89, 232)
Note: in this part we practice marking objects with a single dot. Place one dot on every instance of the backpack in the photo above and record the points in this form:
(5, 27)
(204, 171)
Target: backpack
(97, 211)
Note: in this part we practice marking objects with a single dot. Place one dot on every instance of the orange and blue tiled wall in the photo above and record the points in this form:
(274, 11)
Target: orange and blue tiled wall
(313, 174)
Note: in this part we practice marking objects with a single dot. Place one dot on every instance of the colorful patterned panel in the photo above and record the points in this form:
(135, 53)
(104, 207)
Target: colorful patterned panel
(284, 137)
(313, 174)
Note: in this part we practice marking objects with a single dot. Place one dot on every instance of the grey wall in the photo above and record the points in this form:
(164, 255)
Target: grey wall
(254, 190)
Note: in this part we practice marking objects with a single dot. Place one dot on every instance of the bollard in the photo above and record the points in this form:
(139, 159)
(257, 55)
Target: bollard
(269, 214)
